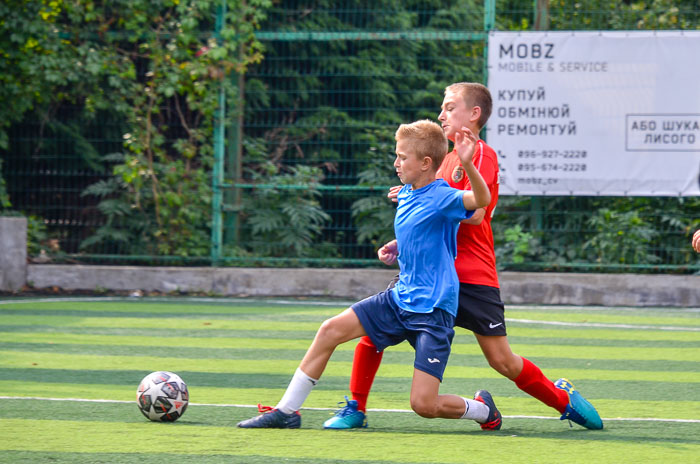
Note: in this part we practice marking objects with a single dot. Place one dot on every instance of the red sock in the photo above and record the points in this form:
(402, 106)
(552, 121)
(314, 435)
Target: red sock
(532, 381)
(364, 367)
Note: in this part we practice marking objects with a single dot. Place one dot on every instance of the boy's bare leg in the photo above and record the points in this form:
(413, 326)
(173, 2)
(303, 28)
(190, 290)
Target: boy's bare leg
(498, 353)
(526, 375)
(334, 331)
(426, 401)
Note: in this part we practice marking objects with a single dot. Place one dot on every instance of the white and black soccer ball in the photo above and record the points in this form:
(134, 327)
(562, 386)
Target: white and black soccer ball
(162, 396)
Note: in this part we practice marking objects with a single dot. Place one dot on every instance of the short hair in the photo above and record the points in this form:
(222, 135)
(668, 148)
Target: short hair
(428, 139)
(474, 94)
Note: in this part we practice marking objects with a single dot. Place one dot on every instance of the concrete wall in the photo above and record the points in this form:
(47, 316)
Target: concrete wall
(355, 284)
(351, 284)
(13, 253)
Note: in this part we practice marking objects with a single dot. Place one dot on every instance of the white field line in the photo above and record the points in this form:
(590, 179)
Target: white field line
(83, 400)
(605, 325)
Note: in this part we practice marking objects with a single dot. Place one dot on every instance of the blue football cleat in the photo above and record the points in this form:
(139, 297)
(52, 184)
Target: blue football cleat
(347, 417)
(271, 418)
(579, 409)
(494, 421)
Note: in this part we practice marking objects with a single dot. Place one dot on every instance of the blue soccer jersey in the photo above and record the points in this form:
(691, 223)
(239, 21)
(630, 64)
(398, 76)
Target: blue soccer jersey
(426, 226)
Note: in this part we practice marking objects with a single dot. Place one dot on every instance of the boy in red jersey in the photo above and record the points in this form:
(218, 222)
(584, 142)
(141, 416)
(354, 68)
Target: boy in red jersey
(480, 308)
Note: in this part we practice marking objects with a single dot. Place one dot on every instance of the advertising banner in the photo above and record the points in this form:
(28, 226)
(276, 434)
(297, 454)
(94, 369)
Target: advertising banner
(596, 113)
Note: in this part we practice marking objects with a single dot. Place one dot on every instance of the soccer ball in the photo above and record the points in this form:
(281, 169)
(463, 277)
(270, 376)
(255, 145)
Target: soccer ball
(162, 396)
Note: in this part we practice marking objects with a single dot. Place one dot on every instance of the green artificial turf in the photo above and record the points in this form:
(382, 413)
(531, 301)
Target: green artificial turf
(639, 367)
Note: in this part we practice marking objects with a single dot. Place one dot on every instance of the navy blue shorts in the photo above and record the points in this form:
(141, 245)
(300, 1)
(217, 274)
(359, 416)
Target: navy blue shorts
(430, 334)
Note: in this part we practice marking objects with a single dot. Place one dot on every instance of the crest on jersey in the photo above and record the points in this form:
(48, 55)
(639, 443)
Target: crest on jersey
(458, 174)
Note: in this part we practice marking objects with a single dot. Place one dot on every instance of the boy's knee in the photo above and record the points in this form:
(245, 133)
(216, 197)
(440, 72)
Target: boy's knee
(424, 408)
(504, 365)
(329, 329)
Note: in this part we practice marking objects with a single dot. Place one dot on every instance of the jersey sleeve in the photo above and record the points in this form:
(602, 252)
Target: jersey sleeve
(451, 204)
(488, 168)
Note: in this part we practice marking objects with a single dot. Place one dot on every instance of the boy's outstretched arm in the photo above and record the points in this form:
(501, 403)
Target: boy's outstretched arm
(479, 196)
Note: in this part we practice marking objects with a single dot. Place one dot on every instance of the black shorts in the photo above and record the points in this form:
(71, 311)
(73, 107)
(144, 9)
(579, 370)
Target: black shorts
(481, 310)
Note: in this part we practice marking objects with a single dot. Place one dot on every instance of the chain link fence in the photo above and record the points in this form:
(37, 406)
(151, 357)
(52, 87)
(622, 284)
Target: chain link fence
(308, 150)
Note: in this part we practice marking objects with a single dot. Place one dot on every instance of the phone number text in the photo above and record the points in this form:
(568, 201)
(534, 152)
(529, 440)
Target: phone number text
(552, 154)
(552, 167)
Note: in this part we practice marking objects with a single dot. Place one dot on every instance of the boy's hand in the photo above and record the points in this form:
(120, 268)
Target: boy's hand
(388, 253)
(394, 192)
(465, 144)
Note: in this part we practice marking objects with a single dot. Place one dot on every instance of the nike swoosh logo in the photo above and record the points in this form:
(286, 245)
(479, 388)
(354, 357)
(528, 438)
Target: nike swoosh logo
(493, 326)
(433, 360)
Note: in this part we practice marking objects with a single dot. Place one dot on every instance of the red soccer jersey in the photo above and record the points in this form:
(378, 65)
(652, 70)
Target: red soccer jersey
(476, 259)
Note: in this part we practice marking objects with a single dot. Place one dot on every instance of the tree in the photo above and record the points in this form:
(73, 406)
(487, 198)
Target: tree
(156, 67)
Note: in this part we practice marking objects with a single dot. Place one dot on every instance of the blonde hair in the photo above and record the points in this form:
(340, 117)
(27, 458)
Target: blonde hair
(474, 94)
(428, 140)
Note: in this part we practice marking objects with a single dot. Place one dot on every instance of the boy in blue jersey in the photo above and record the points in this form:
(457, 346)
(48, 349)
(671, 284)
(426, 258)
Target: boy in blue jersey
(421, 307)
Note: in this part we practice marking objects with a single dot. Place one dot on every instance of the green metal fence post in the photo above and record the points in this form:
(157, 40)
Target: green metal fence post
(489, 15)
(541, 22)
(218, 169)
(541, 15)
(234, 161)
(489, 24)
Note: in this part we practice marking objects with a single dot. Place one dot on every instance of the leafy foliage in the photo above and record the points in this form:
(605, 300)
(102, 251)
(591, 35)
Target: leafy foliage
(31, 59)
(338, 103)
(146, 76)
(4, 197)
(620, 237)
(38, 241)
(517, 245)
(287, 217)
(159, 66)
(374, 214)
(172, 83)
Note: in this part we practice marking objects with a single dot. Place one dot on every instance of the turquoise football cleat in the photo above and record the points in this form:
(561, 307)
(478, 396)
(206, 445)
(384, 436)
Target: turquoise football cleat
(347, 417)
(579, 409)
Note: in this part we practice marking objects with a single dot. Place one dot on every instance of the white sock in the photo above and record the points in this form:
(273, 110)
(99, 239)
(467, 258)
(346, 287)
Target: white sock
(475, 410)
(297, 391)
